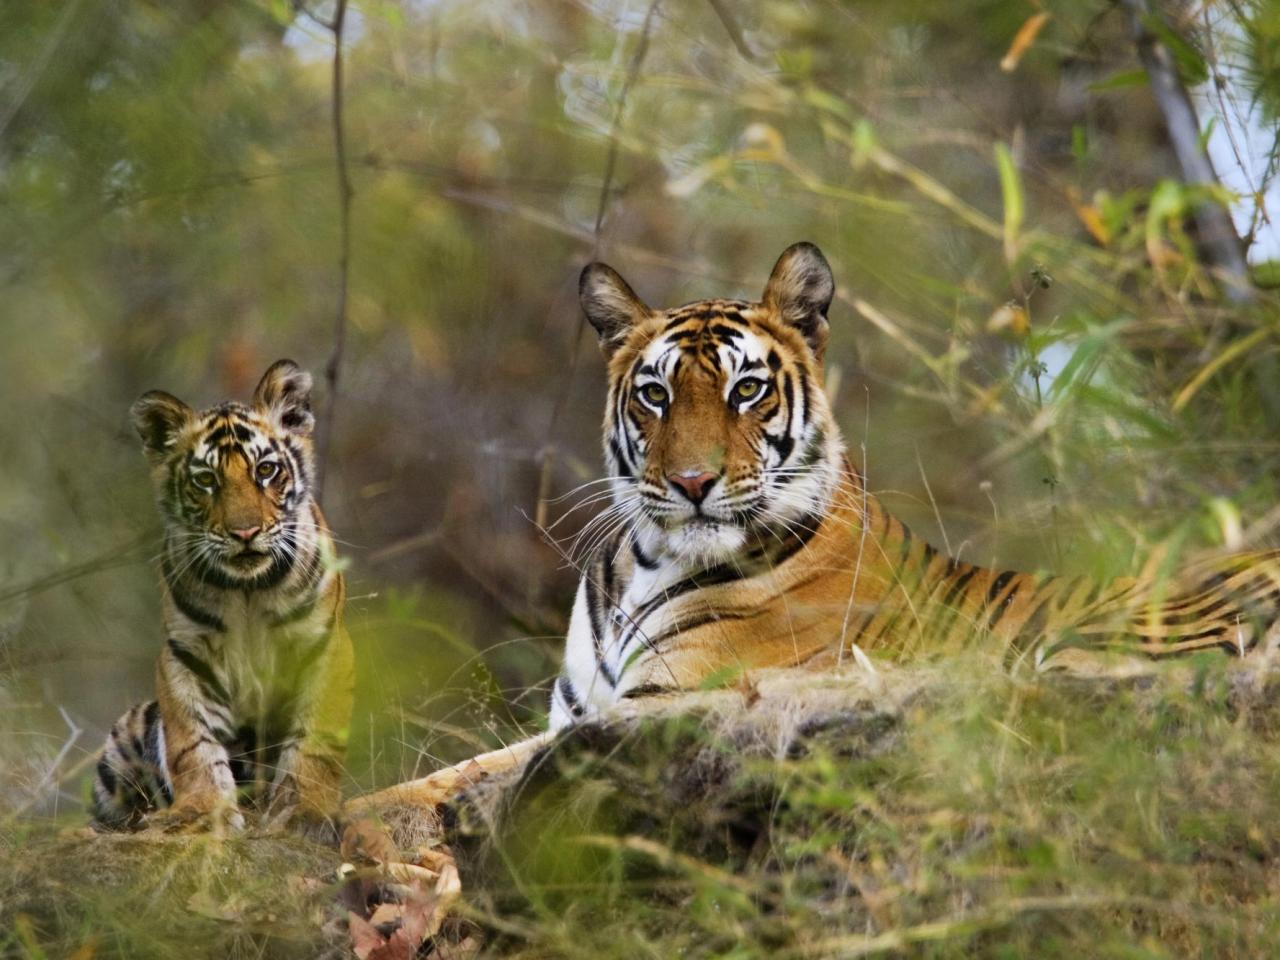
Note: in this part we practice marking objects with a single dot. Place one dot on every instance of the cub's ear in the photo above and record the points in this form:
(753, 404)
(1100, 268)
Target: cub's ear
(800, 291)
(159, 418)
(284, 395)
(612, 307)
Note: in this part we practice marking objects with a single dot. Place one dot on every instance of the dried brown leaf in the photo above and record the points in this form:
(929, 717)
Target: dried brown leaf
(365, 938)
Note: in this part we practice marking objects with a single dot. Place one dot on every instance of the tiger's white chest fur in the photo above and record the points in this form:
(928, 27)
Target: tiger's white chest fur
(620, 608)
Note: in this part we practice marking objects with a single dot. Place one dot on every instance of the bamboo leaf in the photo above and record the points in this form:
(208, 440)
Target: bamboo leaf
(1011, 192)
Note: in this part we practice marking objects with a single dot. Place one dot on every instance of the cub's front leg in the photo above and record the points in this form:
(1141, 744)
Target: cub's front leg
(204, 788)
(307, 791)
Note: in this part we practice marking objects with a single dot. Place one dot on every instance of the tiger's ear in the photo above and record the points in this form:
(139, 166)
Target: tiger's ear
(284, 395)
(612, 307)
(800, 291)
(159, 418)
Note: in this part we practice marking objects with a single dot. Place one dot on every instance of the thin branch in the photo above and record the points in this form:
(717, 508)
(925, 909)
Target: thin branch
(1218, 241)
(731, 27)
(633, 71)
(121, 555)
(345, 193)
(22, 89)
(602, 206)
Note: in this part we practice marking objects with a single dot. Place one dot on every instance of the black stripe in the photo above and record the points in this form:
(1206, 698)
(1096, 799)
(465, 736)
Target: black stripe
(797, 537)
(107, 776)
(181, 754)
(640, 558)
(959, 585)
(569, 695)
(715, 576)
(998, 585)
(999, 611)
(714, 616)
(597, 630)
(906, 544)
(725, 331)
(189, 610)
(644, 690)
(208, 680)
(784, 445)
(623, 466)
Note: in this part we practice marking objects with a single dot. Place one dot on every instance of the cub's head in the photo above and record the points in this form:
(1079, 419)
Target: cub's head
(717, 431)
(232, 479)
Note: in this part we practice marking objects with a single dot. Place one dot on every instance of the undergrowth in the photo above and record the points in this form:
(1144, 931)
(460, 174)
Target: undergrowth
(944, 810)
(990, 816)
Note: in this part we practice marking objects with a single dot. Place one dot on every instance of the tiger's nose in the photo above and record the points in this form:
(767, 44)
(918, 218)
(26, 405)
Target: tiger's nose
(694, 487)
(244, 534)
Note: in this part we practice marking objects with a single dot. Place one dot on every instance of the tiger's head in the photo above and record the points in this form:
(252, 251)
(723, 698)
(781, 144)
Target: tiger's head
(233, 480)
(717, 428)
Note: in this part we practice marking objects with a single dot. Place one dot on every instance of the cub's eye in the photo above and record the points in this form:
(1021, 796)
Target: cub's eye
(654, 393)
(748, 389)
(267, 469)
(204, 480)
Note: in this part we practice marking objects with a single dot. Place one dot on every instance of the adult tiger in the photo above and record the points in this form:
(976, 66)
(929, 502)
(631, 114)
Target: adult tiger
(254, 683)
(743, 538)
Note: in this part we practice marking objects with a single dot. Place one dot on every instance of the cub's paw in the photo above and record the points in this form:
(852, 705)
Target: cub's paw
(197, 816)
(304, 821)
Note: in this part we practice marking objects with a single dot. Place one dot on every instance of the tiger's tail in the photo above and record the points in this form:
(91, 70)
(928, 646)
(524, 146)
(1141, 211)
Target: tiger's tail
(132, 778)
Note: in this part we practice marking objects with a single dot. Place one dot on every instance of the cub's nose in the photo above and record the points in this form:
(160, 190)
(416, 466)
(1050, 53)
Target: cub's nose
(244, 534)
(694, 487)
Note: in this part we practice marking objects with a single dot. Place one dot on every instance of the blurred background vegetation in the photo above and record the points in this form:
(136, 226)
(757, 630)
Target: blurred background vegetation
(1030, 354)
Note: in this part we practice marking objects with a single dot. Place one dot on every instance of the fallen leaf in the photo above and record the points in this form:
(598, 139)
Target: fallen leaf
(365, 938)
(365, 839)
(387, 913)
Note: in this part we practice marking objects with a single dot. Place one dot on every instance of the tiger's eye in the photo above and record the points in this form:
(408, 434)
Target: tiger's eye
(267, 469)
(747, 389)
(654, 393)
(204, 480)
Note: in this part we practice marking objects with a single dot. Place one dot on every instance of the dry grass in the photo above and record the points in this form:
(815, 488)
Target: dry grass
(938, 810)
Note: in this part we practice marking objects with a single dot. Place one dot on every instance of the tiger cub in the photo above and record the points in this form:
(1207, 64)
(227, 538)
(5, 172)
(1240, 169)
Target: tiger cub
(742, 537)
(254, 683)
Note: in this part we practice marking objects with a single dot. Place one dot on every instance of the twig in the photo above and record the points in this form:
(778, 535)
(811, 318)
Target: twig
(611, 159)
(73, 735)
(121, 555)
(22, 89)
(1218, 241)
(731, 27)
(345, 193)
(602, 206)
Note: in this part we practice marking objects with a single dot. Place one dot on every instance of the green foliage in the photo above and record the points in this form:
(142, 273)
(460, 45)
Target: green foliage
(992, 817)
